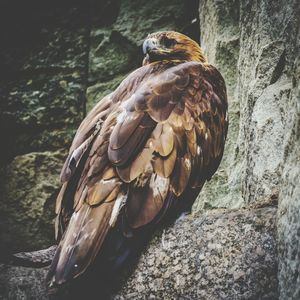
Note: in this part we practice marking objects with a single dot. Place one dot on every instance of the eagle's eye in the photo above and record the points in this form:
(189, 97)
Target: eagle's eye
(169, 42)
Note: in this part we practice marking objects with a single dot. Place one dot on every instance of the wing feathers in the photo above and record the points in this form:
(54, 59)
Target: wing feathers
(181, 174)
(137, 167)
(163, 166)
(144, 203)
(101, 190)
(125, 144)
(81, 242)
(74, 159)
(164, 142)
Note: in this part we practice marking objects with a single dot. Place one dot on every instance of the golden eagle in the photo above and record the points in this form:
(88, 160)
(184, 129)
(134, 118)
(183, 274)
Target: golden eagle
(142, 154)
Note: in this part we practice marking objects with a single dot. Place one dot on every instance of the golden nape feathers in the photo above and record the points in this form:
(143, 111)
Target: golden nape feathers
(141, 155)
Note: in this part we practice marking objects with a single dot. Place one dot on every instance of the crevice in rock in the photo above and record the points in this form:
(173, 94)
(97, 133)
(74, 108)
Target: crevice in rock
(279, 68)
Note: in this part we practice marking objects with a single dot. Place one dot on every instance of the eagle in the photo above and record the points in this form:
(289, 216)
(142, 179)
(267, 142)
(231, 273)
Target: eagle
(140, 156)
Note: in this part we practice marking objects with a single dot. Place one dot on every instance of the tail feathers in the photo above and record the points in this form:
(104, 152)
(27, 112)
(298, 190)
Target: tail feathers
(80, 244)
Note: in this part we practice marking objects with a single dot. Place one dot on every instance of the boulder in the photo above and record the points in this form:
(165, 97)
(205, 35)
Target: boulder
(220, 254)
(18, 282)
(216, 255)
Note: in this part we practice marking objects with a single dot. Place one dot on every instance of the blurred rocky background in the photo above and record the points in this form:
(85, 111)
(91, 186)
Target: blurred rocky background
(58, 58)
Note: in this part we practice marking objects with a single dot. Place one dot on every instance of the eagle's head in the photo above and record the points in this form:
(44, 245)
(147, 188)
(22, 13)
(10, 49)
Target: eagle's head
(171, 45)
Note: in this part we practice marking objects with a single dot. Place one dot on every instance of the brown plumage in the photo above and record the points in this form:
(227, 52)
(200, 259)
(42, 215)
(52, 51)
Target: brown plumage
(143, 151)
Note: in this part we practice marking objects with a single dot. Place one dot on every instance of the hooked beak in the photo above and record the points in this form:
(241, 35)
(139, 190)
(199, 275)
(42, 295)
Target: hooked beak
(152, 47)
(149, 45)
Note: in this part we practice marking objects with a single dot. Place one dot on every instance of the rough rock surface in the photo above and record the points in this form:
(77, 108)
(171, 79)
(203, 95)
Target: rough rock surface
(43, 80)
(100, 90)
(268, 52)
(256, 54)
(217, 255)
(18, 282)
(289, 198)
(220, 32)
(256, 45)
(30, 186)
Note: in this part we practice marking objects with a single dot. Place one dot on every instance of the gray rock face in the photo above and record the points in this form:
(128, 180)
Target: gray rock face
(289, 195)
(256, 47)
(248, 43)
(137, 19)
(22, 283)
(100, 90)
(220, 39)
(217, 255)
(266, 57)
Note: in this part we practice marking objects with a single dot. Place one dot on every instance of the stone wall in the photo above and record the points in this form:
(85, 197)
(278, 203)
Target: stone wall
(256, 45)
(59, 67)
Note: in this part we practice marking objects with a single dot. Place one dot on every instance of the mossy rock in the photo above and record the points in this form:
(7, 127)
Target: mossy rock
(29, 188)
